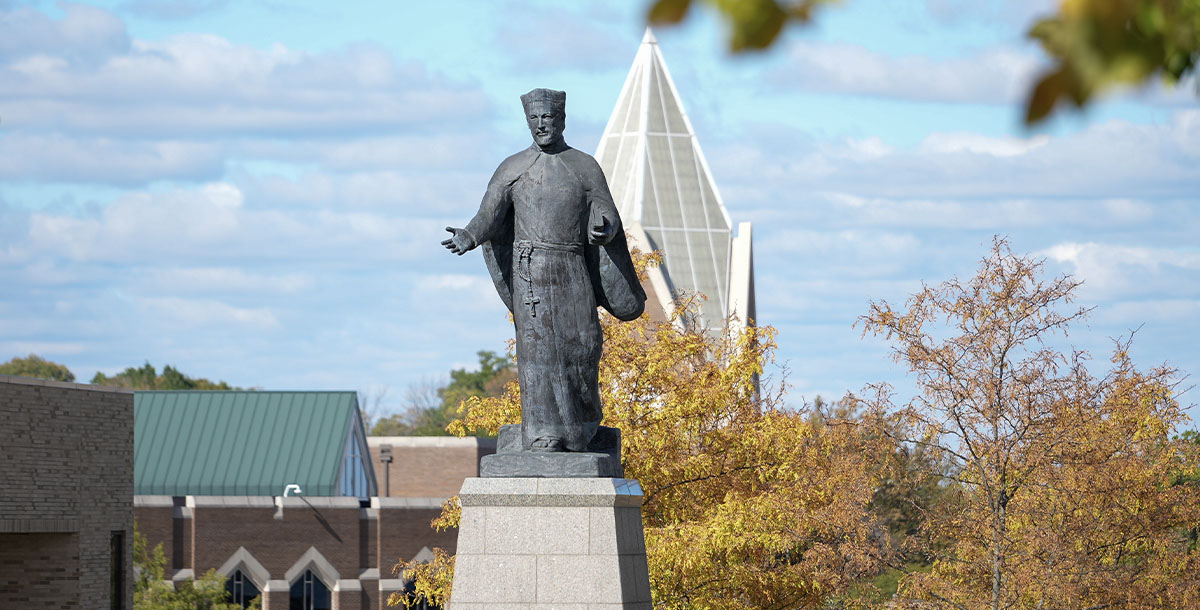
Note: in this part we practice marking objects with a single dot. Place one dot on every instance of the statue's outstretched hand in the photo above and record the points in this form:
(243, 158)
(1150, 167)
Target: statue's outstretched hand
(460, 243)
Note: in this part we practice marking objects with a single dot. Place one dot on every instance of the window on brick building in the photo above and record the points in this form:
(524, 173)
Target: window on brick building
(354, 480)
(309, 593)
(241, 589)
(116, 575)
(409, 586)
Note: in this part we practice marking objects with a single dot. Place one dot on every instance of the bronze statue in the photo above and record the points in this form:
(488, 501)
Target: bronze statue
(555, 247)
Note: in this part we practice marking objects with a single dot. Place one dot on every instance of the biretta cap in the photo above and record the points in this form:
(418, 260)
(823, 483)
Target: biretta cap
(550, 96)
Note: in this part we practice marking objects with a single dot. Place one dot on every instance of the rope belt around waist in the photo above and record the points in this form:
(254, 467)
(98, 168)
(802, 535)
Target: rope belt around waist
(524, 251)
(529, 245)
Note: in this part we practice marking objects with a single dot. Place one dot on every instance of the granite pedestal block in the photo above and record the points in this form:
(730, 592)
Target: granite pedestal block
(602, 458)
(542, 543)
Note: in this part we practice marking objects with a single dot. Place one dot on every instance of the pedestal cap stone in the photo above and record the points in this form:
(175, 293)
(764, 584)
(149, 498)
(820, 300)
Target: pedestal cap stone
(602, 459)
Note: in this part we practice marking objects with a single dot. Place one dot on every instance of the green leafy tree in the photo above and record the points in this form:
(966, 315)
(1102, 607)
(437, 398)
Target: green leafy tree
(147, 378)
(429, 409)
(37, 367)
(152, 591)
(754, 25)
(494, 372)
(1095, 45)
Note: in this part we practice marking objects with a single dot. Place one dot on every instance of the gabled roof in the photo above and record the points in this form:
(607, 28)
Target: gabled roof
(663, 188)
(243, 443)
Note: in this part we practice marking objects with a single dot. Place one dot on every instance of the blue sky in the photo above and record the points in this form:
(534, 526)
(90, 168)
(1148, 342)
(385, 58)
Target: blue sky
(254, 191)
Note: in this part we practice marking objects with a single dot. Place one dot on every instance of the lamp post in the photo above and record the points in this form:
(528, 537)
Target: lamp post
(385, 456)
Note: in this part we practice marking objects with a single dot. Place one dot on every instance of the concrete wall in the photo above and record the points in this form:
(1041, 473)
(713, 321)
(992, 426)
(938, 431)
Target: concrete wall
(427, 466)
(66, 486)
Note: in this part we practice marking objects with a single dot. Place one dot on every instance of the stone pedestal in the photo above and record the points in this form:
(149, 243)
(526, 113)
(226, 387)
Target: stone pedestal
(542, 543)
(602, 458)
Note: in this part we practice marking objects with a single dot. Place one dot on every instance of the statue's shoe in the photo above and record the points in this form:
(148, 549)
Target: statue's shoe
(548, 444)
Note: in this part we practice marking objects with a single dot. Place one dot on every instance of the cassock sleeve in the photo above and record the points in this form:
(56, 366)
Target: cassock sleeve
(489, 220)
(600, 201)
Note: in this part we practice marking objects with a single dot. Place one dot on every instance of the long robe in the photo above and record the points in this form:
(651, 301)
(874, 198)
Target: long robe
(534, 221)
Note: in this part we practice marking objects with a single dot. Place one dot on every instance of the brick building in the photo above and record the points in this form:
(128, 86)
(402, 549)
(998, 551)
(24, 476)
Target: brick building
(213, 469)
(66, 484)
(431, 467)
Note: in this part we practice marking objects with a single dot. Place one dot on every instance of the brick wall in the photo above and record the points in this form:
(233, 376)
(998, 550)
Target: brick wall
(404, 531)
(361, 544)
(39, 571)
(67, 451)
(155, 521)
(427, 466)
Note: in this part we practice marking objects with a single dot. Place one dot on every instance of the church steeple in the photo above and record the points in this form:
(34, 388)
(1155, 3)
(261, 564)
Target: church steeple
(666, 195)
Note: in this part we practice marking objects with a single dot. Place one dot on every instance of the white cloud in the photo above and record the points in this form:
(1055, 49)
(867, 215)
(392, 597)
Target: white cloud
(140, 222)
(226, 280)
(444, 193)
(468, 293)
(456, 281)
(95, 106)
(556, 38)
(205, 312)
(1157, 312)
(44, 349)
(1020, 13)
(1129, 211)
(998, 75)
(172, 9)
(1112, 271)
(845, 253)
(57, 157)
(83, 33)
(956, 142)
(1105, 255)
(202, 85)
(217, 223)
(1110, 161)
(223, 195)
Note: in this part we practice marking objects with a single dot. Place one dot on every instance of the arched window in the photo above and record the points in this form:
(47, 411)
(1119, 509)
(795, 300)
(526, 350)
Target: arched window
(241, 589)
(309, 593)
(409, 585)
(423, 556)
(354, 480)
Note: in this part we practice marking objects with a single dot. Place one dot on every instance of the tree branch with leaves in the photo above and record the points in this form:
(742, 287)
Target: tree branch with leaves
(1061, 478)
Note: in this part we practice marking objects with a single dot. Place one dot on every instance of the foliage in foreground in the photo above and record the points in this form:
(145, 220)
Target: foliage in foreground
(734, 484)
(152, 591)
(1066, 490)
(1097, 45)
(1094, 45)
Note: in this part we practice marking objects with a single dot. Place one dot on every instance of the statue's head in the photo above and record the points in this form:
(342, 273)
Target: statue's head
(546, 114)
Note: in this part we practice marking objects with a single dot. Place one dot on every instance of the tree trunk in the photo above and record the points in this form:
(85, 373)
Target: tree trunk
(999, 524)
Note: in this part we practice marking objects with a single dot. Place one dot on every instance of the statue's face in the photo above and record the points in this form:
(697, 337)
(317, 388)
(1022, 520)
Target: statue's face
(546, 123)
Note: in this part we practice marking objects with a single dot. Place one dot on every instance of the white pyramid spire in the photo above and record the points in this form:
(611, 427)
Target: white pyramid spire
(666, 195)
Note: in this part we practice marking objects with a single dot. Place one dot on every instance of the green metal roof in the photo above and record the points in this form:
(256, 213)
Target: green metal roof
(240, 443)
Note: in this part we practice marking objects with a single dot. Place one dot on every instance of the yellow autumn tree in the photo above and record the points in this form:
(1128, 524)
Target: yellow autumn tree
(1065, 490)
(747, 504)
